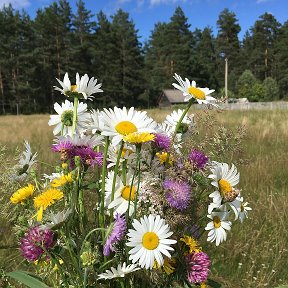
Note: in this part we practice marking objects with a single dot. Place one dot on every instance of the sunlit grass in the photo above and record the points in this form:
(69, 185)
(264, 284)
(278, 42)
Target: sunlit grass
(255, 254)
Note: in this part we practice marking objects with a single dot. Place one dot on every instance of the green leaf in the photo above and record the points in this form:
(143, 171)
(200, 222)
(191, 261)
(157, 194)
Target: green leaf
(214, 284)
(27, 279)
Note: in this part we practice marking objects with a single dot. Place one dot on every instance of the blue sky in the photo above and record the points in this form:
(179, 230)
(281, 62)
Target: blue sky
(200, 13)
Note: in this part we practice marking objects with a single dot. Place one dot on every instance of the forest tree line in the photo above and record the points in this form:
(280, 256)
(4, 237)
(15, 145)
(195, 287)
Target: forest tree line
(36, 51)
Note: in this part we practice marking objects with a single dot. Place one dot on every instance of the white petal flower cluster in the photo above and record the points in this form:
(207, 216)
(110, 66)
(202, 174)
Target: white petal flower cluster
(189, 90)
(84, 86)
(149, 241)
(225, 199)
(26, 161)
(120, 271)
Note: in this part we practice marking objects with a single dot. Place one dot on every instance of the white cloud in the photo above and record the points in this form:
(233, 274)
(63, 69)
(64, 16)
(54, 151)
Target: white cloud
(158, 2)
(15, 3)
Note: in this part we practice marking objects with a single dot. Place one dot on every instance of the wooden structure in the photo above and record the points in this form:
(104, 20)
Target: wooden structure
(170, 97)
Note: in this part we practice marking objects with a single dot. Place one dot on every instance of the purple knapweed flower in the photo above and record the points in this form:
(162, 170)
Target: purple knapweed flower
(198, 158)
(117, 233)
(177, 193)
(162, 141)
(198, 265)
(88, 156)
(35, 242)
(64, 147)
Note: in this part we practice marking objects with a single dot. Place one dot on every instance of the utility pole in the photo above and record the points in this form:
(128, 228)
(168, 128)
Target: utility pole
(226, 79)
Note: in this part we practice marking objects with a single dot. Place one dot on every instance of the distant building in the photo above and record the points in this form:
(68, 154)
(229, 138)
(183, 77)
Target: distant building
(170, 97)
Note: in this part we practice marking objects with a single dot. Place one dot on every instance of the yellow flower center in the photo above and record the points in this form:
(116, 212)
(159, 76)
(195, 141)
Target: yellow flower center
(216, 221)
(242, 208)
(125, 193)
(197, 93)
(150, 240)
(73, 88)
(125, 127)
(224, 187)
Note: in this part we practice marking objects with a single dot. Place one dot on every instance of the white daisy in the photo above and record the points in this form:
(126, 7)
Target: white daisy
(174, 117)
(243, 210)
(26, 161)
(149, 240)
(83, 86)
(56, 220)
(224, 179)
(121, 271)
(95, 122)
(64, 119)
(191, 91)
(218, 227)
(123, 192)
(128, 154)
(121, 122)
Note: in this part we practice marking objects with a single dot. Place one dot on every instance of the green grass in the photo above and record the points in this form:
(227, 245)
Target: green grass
(255, 254)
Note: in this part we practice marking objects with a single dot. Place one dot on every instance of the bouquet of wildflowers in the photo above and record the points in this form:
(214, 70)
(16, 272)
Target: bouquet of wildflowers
(127, 204)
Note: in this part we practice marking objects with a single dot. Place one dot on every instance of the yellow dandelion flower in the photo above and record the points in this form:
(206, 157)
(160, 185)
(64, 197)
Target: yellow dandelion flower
(168, 266)
(64, 166)
(162, 157)
(61, 181)
(45, 199)
(22, 194)
(138, 138)
(191, 243)
(203, 285)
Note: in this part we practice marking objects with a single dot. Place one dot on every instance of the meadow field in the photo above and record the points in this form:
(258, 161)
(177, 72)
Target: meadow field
(256, 252)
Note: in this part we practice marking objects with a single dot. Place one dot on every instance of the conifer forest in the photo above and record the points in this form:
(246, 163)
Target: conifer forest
(34, 52)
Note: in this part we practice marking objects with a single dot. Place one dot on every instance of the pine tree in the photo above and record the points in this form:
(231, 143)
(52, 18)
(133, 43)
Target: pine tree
(128, 77)
(169, 51)
(281, 60)
(228, 46)
(264, 33)
(104, 53)
(206, 59)
(54, 55)
(82, 49)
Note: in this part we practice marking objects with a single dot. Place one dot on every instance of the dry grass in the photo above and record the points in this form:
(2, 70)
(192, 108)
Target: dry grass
(255, 254)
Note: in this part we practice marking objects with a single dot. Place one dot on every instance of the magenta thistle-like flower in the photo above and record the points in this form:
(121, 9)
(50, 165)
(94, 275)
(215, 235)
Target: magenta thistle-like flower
(198, 265)
(89, 156)
(64, 147)
(198, 158)
(177, 193)
(162, 141)
(35, 242)
(116, 235)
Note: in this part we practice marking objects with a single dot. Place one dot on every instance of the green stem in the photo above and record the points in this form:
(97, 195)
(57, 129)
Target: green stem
(75, 114)
(138, 150)
(177, 127)
(182, 117)
(115, 177)
(73, 257)
(103, 176)
(44, 163)
(88, 235)
(85, 277)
